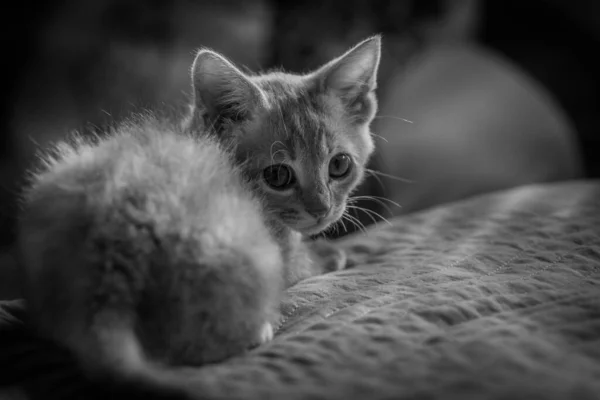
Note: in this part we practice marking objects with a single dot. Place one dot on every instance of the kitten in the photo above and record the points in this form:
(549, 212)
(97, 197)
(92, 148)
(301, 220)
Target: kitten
(163, 245)
(303, 140)
(145, 249)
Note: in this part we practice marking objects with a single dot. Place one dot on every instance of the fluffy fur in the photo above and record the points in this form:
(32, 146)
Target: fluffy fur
(146, 245)
(160, 246)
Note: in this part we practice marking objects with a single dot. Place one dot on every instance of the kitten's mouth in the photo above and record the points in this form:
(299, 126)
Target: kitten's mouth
(314, 229)
(320, 226)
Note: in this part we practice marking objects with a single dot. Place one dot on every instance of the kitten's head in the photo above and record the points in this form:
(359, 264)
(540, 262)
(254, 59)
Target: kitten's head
(303, 140)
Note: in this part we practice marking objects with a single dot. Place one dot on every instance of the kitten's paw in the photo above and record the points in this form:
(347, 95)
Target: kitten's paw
(266, 333)
(336, 260)
(330, 257)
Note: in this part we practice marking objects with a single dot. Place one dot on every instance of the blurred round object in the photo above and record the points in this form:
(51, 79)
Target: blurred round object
(479, 124)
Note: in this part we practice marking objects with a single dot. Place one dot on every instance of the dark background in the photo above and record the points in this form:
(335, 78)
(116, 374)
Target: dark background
(73, 64)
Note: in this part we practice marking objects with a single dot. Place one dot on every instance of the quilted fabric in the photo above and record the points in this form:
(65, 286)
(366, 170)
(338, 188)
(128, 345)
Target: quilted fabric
(497, 297)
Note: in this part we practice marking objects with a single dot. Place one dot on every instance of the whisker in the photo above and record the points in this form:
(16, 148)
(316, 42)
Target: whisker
(378, 179)
(393, 117)
(377, 201)
(397, 178)
(363, 228)
(357, 209)
(346, 217)
(341, 221)
(363, 210)
(380, 137)
(330, 230)
(336, 229)
(370, 213)
(356, 222)
(377, 198)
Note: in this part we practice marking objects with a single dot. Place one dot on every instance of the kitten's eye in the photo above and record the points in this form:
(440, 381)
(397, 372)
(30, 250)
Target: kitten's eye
(279, 176)
(340, 166)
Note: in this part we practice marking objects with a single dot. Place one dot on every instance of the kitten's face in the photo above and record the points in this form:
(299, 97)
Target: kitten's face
(305, 156)
(304, 141)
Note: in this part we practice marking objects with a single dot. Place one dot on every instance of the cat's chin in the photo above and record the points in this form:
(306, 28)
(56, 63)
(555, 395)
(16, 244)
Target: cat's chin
(314, 229)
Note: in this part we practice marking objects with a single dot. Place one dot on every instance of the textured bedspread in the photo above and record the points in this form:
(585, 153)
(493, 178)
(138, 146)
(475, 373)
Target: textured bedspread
(497, 297)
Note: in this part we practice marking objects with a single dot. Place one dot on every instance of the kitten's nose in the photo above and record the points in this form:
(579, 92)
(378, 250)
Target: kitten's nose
(318, 211)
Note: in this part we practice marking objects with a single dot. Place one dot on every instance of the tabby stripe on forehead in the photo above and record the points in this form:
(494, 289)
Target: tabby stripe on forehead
(320, 117)
(307, 130)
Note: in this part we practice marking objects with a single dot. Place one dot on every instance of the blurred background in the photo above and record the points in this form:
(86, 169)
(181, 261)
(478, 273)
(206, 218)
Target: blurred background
(475, 96)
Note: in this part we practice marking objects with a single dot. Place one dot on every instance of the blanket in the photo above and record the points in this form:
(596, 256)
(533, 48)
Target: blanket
(495, 297)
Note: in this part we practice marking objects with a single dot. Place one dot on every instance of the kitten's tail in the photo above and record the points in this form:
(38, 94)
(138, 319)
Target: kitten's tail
(120, 370)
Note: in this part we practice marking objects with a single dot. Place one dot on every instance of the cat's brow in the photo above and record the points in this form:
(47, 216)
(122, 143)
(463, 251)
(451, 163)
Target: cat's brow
(326, 147)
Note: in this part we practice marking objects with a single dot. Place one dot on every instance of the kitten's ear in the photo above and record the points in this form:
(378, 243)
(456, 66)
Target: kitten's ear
(222, 93)
(353, 76)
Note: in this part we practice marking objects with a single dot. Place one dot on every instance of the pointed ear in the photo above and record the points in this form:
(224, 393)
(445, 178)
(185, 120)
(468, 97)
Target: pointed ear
(353, 76)
(222, 93)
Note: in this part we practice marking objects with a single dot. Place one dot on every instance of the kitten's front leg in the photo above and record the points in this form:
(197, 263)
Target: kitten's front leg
(327, 255)
(309, 258)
